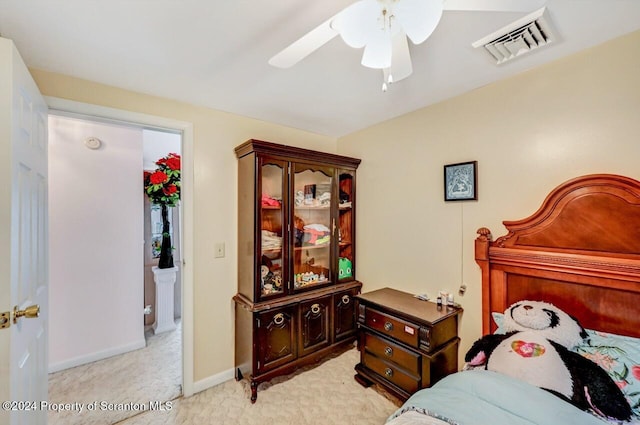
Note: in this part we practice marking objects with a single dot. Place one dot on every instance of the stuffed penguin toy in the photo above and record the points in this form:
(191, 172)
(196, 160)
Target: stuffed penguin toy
(536, 349)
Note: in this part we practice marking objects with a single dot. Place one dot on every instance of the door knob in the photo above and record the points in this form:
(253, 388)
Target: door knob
(30, 312)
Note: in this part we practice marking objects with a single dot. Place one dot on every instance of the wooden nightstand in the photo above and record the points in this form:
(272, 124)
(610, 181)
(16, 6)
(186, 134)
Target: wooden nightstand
(405, 344)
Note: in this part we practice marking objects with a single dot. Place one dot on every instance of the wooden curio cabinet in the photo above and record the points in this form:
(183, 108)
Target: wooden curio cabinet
(296, 258)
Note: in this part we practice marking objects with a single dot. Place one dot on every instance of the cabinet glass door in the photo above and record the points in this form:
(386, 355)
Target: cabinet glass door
(346, 225)
(272, 225)
(312, 226)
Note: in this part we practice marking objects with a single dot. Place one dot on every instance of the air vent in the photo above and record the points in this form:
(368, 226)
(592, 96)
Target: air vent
(521, 37)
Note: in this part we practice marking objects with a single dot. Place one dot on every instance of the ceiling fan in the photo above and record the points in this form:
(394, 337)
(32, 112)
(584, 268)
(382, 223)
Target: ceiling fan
(382, 28)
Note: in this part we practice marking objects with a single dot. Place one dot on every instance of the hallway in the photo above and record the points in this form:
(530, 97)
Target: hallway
(142, 376)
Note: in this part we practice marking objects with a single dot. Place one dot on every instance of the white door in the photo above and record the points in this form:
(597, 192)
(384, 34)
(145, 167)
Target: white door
(23, 242)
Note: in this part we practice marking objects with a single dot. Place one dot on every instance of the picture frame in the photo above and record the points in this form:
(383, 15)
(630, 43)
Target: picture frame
(461, 181)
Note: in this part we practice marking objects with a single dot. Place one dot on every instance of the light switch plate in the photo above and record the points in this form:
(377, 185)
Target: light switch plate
(219, 250)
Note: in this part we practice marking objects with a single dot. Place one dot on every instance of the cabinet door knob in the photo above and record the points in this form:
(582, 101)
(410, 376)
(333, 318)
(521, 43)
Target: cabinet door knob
(278, 319)
(388, 326)
(315, 309)
(346, 299)
(388, 372)
(388, 351)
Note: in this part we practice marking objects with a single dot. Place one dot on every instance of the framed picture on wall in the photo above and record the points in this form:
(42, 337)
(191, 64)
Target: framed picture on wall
(461, 181)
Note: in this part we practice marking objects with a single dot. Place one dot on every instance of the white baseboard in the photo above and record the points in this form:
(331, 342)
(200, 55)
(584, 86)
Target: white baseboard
(212, 381)
(99, 355)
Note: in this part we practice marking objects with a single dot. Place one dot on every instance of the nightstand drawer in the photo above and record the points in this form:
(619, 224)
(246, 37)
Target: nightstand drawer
(392, 373)
(392, 326)
(405, 344)
(387, 350)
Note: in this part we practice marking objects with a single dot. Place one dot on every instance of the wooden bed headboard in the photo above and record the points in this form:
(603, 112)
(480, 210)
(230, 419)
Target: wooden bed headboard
(579, 251)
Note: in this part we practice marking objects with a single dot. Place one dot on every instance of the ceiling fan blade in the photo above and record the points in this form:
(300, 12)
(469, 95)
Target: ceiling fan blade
(418, 18)
(304, 46)
(357, 23)
(494, 5)
(401, 66)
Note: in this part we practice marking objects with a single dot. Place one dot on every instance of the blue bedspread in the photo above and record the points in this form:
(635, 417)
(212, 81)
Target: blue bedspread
(480, 397)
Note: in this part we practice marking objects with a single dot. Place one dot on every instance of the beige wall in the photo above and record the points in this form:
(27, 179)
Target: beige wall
(215, 135)
(530, 133)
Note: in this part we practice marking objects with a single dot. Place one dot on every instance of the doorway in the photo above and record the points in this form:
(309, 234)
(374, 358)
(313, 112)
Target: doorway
(65, 106)
(96, 215)
(139, 120)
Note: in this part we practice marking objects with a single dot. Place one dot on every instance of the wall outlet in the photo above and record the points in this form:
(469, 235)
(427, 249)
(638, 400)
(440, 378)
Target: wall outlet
(462, 289)
(218, 250)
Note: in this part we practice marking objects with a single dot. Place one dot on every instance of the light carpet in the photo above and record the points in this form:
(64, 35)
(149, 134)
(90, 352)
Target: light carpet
(150, 374)
(324, 395)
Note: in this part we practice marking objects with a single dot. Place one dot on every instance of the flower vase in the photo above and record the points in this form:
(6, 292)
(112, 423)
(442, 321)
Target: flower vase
(166, 250)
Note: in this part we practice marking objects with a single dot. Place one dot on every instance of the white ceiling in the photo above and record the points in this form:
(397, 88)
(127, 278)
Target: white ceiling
(214, 53)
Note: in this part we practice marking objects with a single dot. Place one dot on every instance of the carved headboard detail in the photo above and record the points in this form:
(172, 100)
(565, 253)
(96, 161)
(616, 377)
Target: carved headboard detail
(580, 251)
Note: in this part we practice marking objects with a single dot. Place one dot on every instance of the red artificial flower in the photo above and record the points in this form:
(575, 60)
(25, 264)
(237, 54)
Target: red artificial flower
(162, 186)
(170, 190)
(158, 177)
(635, 370)
(173, 163)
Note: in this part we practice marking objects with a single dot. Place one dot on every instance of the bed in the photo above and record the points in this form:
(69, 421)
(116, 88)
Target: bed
(581, 252)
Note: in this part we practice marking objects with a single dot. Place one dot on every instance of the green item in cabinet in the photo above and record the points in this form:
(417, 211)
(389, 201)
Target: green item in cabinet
(344, 268)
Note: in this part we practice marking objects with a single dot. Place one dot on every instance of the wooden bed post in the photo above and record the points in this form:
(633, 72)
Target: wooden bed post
(482, 258)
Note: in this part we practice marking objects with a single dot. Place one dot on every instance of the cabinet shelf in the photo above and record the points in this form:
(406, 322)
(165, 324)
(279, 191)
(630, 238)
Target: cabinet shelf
(309, 207)
(302, 248)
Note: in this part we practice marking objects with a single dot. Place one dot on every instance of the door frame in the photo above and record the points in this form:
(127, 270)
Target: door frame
(120, 116)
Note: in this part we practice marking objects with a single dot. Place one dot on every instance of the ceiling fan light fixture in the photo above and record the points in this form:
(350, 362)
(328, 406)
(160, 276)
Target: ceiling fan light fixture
(387, 79)
(401, 66)
(377, 25)
(387, 76)
(377, 52)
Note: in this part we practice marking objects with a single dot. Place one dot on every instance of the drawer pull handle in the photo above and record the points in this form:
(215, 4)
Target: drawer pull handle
(388, 326)
(388, 372)
(346, 299)
(315, 309)
(388, 351)
(278, 319)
